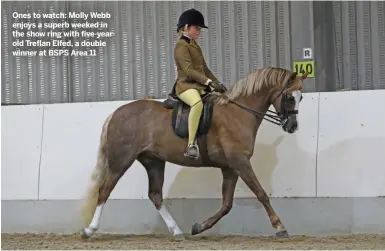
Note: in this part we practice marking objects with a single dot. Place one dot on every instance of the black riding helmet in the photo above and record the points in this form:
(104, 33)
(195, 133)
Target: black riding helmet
(191, 17)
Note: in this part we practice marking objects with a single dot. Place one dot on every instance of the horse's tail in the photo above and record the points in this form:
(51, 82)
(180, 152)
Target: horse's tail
(98, 177)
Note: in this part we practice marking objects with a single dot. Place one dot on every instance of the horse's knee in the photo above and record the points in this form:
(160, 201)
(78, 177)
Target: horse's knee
(262, 197)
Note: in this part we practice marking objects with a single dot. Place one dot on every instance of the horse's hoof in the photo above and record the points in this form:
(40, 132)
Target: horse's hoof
(282, 234)
(84, 234)
(196, 229)
(179, 237)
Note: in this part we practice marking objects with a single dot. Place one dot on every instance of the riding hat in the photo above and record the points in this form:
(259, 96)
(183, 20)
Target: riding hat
(191, 17)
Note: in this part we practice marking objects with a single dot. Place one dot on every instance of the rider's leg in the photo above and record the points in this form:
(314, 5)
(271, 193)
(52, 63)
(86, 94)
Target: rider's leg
(193, 99)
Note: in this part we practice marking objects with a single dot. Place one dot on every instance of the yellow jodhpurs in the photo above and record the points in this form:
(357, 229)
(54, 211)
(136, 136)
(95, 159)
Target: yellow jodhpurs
(192, 98)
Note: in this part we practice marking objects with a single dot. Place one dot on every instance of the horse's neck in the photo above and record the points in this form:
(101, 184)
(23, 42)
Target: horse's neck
(258, 103)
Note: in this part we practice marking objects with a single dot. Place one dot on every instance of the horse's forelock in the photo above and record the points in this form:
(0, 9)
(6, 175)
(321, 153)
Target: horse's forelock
(296, 83)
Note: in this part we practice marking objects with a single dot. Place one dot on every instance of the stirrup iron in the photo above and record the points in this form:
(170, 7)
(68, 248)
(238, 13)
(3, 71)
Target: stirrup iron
(194, 147)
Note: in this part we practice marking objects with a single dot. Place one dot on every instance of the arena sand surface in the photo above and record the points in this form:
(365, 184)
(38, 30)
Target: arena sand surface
(109, 241)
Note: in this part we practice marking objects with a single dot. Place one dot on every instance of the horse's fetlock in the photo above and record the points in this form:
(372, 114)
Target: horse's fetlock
(276, 222)
(94, 228)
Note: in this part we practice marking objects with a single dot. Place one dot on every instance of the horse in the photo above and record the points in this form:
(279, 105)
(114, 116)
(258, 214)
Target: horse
(153, 133)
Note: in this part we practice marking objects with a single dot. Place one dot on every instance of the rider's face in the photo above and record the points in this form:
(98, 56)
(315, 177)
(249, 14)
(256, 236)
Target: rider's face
(194, 32)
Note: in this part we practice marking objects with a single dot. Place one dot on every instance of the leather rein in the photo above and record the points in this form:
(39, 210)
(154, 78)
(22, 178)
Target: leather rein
(277, 118)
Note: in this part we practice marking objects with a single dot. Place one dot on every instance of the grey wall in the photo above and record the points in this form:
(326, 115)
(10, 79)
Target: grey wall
(350, 45)
(347, 39)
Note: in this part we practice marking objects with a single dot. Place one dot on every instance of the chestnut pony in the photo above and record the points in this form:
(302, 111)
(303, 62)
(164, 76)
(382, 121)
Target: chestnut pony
(154, 132)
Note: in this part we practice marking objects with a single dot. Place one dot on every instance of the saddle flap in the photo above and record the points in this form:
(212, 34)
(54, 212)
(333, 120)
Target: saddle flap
(180, 116)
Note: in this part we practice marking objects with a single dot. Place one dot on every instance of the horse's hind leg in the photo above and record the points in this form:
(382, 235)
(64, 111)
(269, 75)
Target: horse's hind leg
(104, 192)
(229, 182)
(155, 170)
(108, 181)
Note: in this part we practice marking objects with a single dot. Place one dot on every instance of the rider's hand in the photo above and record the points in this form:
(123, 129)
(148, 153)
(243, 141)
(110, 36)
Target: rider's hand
(209, 83)
(219, 87)
(222, 87)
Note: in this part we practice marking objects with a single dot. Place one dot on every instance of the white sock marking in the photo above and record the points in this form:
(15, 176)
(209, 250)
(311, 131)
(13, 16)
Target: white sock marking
(94, 225)
(170, 222)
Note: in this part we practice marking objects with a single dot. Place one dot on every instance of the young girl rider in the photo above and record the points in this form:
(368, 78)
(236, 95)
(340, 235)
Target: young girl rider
(194, 77)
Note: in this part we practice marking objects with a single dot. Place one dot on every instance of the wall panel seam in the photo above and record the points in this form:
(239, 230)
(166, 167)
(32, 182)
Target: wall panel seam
(41, 153)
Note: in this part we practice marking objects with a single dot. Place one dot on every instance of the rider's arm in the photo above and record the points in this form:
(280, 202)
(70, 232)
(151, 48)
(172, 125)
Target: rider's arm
(209, 73)
(182, 55)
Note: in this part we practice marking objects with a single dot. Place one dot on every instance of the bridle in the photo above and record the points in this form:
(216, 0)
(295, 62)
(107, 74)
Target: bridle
(278, 118)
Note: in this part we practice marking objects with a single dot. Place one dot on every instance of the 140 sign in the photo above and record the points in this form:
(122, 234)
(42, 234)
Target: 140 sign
(307, 66)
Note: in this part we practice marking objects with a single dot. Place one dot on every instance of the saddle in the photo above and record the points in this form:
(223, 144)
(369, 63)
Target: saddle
(180, 114)
(179, 119)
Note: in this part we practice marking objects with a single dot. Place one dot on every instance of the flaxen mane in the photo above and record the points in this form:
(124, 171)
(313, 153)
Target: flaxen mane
(256, 80)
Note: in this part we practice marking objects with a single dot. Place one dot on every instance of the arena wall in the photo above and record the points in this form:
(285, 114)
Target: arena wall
(327, 178)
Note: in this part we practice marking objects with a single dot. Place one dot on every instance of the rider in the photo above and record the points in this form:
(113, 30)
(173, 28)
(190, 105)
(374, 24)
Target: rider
(194, 77)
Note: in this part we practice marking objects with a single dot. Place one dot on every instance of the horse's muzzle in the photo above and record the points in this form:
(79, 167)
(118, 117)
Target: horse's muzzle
(290, 126)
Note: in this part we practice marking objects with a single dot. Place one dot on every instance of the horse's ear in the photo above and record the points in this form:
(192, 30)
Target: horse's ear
(304, 75)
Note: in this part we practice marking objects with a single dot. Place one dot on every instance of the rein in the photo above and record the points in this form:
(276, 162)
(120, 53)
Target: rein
(280, 117)
(261, 115)
(277, 118)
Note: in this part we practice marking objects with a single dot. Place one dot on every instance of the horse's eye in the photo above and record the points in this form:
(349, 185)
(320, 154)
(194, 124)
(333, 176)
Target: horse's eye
(290, 98)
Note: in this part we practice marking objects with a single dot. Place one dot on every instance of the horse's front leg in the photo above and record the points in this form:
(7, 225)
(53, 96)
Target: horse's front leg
(229, 182)
(244, 169)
